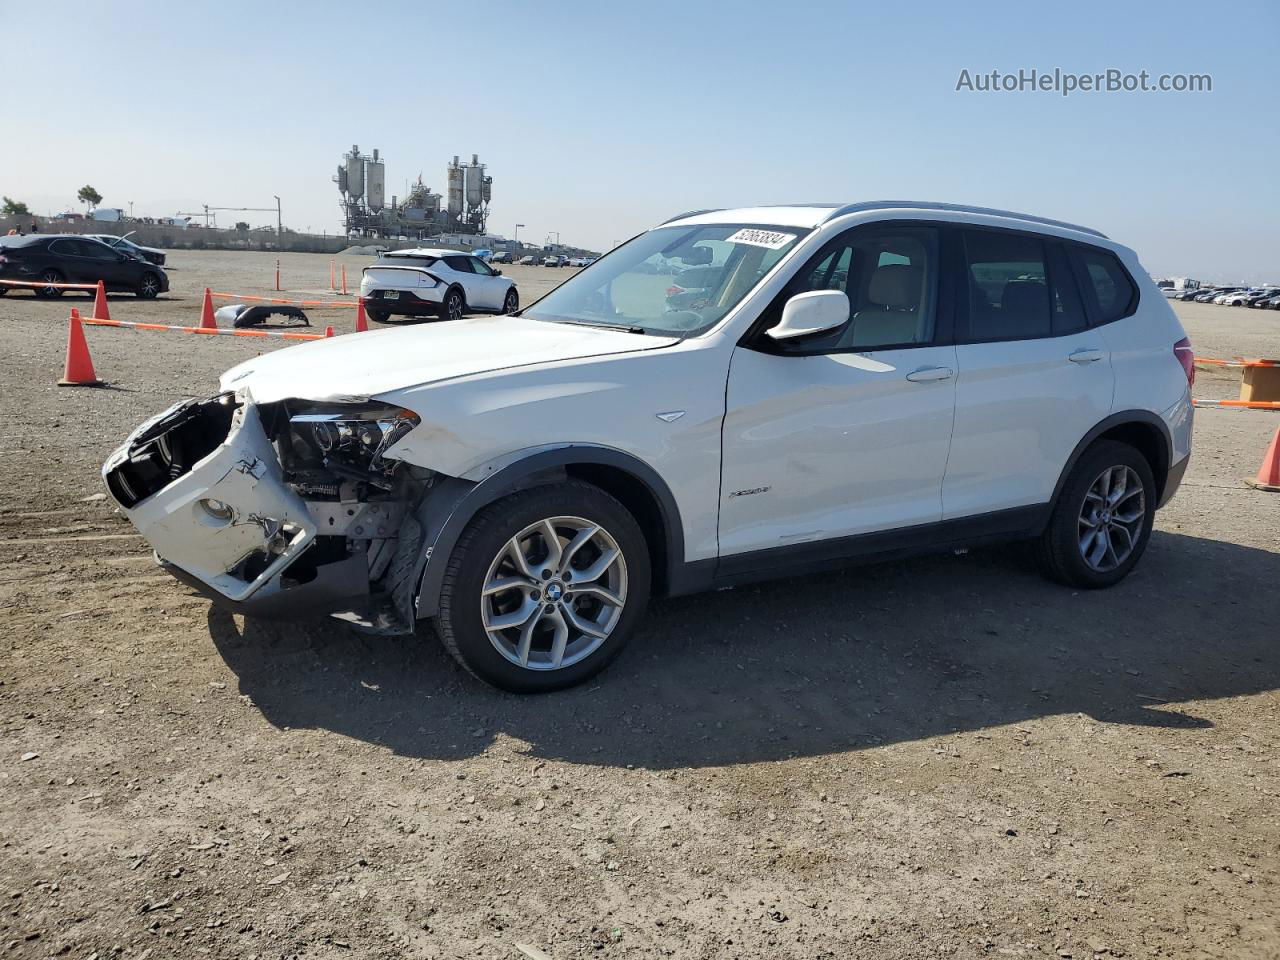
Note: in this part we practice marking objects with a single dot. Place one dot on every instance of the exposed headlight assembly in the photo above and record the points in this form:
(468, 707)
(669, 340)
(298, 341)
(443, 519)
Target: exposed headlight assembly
(349, 440)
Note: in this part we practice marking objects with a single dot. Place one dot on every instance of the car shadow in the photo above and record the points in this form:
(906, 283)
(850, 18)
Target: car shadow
(805, 667)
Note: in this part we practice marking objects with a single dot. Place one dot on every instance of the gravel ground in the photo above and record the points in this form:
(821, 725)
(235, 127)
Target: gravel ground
(947, 757)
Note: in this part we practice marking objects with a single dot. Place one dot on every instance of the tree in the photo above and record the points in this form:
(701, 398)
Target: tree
(14, 208)
(89, 196)
(242, 225)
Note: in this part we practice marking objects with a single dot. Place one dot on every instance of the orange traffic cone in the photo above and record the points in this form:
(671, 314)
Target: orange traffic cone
(206, 312)
(1268, 477)
(78, 370)
(362, 321)
(100, 311)
(328, 331)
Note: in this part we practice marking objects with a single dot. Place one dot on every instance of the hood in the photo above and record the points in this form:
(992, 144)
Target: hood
(367, 364)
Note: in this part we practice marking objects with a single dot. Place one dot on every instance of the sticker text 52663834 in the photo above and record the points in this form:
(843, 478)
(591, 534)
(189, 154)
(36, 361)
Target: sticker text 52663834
(769, 239)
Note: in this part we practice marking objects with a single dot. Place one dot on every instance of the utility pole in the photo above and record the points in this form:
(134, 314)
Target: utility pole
(516, 238)
(279, 227)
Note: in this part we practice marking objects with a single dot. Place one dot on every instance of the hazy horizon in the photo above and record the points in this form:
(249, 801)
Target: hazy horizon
(598, 122)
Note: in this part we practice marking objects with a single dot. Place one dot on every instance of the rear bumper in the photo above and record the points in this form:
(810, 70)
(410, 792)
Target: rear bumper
(1173, 480)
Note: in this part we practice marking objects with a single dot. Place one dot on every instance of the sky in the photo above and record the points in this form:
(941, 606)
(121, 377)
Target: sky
(600, 120)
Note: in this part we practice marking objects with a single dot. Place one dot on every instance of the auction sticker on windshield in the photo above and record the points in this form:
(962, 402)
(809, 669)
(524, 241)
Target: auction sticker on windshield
(769, 239)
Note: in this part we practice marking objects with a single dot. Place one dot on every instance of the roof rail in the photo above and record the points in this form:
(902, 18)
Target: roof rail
(958, 208)
(690, 213)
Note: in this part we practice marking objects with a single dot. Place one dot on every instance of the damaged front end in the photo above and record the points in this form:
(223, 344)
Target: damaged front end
(284, 509)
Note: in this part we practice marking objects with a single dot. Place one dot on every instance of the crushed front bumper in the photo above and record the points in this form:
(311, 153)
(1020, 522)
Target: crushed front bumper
(203, 484)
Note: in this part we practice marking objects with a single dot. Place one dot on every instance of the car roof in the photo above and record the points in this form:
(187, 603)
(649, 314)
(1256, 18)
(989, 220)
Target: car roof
(426, 252)
(815, 214)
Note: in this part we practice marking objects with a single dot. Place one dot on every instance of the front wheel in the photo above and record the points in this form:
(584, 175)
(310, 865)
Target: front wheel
(544, 588)
(148, 287)
(1102, 521)
(511, 303)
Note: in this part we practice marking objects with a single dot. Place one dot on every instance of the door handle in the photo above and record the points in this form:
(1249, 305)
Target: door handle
(925, 374)
(1085, 356)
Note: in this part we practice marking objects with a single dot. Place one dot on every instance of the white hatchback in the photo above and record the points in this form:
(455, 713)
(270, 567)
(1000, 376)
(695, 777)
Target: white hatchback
(731, 396)
(440, 283)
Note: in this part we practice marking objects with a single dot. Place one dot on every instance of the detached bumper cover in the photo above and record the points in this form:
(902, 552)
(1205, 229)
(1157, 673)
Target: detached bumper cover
(228, 525)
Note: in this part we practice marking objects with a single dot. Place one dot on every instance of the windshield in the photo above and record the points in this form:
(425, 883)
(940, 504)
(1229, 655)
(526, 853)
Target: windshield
(670, 281)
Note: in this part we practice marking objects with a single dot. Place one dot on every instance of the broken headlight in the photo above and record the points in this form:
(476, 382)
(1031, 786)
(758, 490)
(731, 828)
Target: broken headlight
(346, 442)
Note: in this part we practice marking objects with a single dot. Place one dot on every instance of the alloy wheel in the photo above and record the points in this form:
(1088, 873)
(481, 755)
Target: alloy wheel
(1111, 518)
(512, 302)
(554, 593)
(51, 277)
(150, 285)
(454, 306)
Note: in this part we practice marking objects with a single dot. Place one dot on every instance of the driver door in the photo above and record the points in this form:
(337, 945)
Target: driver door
(846, 432)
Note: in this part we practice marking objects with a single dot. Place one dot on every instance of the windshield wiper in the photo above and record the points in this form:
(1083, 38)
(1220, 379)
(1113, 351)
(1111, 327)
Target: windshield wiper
(622, 327)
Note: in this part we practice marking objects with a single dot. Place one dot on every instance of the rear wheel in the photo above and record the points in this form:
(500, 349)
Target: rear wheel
(1102, 521)
(453, 305)
(512, 302)
(376, 315)
(148, 286)
(50, 277)
(544, 588)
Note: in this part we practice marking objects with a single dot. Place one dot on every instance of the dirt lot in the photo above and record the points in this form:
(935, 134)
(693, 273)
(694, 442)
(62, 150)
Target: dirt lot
(947, 757)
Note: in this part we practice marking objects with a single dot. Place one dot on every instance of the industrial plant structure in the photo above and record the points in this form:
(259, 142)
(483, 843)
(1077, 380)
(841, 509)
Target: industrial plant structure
(362, 182)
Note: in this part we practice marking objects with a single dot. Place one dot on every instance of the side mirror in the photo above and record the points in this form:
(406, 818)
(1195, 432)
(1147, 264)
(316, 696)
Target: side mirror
(817, 311)
(497, 272)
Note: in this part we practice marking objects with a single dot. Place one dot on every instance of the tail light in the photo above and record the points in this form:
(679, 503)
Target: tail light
(1186, 356)
(673, 290)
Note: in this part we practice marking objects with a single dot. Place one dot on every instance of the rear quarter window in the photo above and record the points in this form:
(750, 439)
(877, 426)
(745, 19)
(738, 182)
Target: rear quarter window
(1106, 283)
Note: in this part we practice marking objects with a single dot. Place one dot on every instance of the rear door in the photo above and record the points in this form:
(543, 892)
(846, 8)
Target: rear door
(1033, 378)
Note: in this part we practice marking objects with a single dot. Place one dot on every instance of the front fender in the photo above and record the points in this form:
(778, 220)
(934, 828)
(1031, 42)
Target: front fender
(459, 503)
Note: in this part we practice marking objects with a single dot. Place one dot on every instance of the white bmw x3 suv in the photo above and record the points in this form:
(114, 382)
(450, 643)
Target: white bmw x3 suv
(439, 283)
(837, 382)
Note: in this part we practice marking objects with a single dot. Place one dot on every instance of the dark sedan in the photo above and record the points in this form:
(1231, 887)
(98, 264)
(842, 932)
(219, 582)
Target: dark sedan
(66, 258)
(125, 245)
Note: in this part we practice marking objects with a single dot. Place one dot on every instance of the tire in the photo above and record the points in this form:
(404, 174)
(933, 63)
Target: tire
(377, 316)
(148, 286)
(453, 306)
(1063, 546)
(50, 293)
(484, 555)
(511, 303)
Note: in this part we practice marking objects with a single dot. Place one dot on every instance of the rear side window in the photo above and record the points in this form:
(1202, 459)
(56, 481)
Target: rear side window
(461, 264)
(65, 248)
(1106, 283)
(1008, 286)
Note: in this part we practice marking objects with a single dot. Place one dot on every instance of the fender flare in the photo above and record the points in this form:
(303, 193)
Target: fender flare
(544, 467)
(1120, 419)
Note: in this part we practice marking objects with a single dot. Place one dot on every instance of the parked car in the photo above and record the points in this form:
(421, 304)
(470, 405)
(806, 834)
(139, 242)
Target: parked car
(1190, 294)
(530, 481)
(500, 257)
(56, 258)
(527, 261)
(1208, 295)
(1260, 296)
(1268, 303)
(125, 245)
(553, 261)
(1227, 297)
(440, 283)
